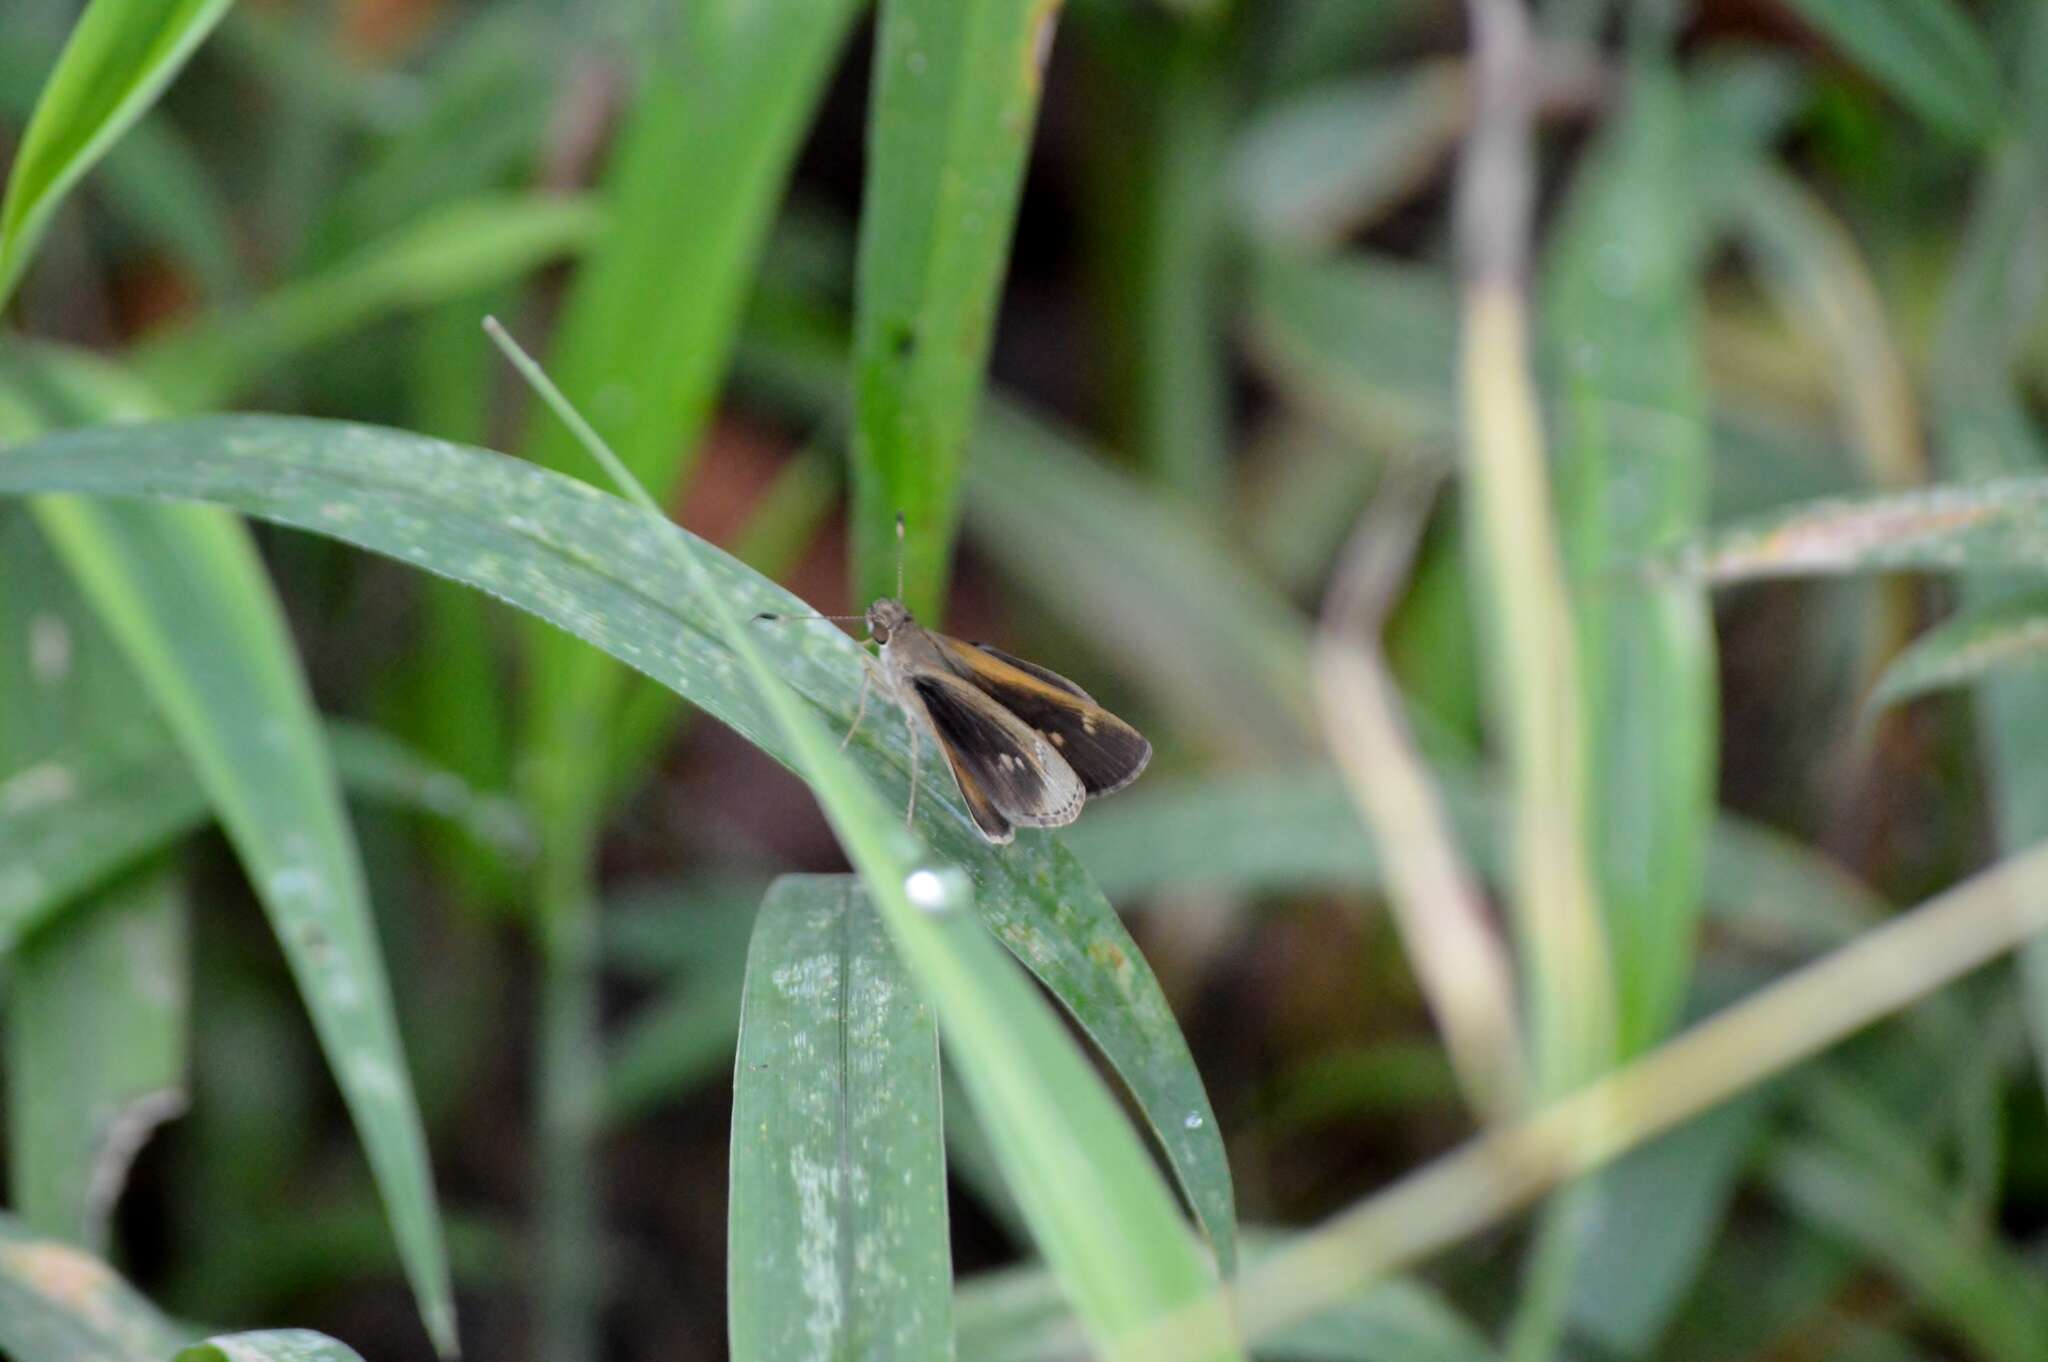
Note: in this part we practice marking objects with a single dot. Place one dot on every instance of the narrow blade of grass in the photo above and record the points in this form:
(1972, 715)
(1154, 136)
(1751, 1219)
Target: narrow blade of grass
(119, 58)
(1997, 524)
(450, 252)
(1530, 638)
(836, 1228)
(1163, 96)
(2008, 633)
(1633, 473)
(954, 104)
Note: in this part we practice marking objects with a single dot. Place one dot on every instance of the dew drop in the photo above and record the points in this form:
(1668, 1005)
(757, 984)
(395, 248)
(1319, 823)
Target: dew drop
(1194, 1120)
(935, 891)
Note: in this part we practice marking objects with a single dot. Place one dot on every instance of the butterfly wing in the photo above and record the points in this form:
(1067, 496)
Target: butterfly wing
(1007, 772)
(1104, 751)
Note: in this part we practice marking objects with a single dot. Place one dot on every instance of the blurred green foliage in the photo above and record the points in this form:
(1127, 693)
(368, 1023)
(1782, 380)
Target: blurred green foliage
(1141, 307)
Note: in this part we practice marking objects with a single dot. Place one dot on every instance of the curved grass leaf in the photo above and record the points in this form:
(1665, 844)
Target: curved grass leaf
(837, 1234)
(955, 99)
(595, 567)
(450, 252)
(2008, 632)
(1997, 523)
(118, 60)
(61, 1304)
(270, 1345)
(1927, 51)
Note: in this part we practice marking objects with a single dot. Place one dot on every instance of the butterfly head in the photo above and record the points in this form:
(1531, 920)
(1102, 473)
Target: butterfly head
(885, 617)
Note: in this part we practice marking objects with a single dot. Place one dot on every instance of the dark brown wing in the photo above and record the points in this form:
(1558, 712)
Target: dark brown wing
(1007, 773)
(1104, 751)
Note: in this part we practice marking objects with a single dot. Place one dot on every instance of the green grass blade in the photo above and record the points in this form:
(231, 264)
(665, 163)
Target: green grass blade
(60, 1304)
(2010, 632)
(270, 1345)
(118, 60)
(837, 1234)
(1632, 474)
(594, 567)
(96, 1052)
(1927, 51)
(183, 590)
(1163, 101)
(1996, 524)
(954, 103)
(449, 252)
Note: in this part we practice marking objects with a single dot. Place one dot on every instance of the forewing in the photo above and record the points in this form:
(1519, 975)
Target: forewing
(997, 759)
(1105, 752)
(1045, 674)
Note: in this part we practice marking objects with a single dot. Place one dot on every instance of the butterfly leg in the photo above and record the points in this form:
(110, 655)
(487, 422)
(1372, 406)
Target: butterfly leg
(860, 711)
(910, 814)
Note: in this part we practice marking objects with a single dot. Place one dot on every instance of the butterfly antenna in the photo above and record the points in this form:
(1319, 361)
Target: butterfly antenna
(836, 619)
(899, 555)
